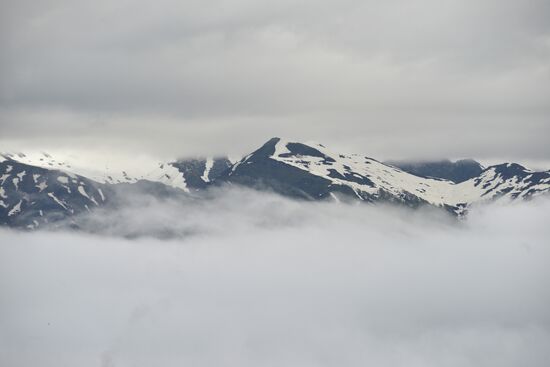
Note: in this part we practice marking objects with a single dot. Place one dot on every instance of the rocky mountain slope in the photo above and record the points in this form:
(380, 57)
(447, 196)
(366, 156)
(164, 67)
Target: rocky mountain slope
(456, 172)
(32, 196)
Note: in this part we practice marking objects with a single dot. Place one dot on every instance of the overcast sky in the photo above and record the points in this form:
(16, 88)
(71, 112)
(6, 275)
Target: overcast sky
(390, 79)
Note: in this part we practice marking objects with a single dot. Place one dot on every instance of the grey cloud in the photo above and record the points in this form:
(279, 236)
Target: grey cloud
(234, 210)
(378, 74)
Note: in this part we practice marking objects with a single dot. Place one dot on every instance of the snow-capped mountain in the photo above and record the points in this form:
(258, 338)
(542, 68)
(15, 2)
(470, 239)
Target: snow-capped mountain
(41, 188)
(185, 174)
(32, 196)
(314, 172)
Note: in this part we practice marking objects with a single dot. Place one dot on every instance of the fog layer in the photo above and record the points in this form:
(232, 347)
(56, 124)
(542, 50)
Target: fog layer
(270, 282)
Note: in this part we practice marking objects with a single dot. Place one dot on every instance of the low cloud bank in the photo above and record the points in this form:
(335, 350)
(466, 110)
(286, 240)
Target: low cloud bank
(272, 282)
(144, 212)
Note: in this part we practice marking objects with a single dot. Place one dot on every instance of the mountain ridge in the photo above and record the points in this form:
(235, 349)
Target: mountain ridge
(458, 171)
(307, 171)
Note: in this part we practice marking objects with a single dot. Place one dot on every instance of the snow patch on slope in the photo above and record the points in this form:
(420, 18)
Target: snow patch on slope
(16, 209)
(58, 201)
(207, 167)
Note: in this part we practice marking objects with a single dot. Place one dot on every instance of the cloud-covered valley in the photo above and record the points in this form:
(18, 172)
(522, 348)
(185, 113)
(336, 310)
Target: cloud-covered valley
(258, 280)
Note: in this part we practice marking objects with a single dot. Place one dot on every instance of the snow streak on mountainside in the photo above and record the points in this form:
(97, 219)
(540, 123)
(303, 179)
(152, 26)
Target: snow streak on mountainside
(200, 172)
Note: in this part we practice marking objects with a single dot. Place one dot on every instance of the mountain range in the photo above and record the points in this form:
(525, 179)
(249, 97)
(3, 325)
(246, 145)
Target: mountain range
(38, 190)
